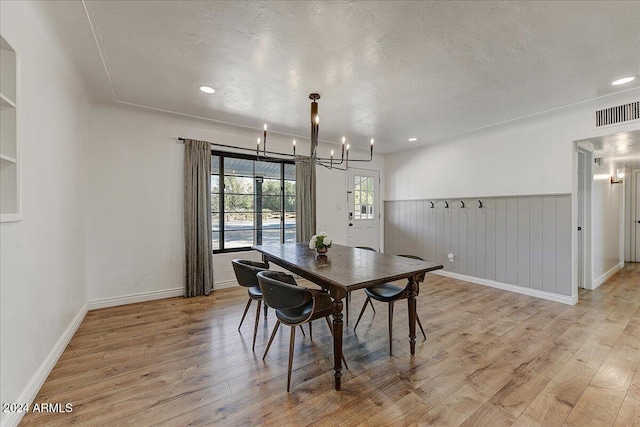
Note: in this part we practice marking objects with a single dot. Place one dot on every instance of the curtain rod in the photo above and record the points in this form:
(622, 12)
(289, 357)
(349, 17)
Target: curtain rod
(182, 140)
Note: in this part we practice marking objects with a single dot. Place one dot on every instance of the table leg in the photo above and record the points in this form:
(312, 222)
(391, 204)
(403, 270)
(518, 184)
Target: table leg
(412, 288)
(337, 341)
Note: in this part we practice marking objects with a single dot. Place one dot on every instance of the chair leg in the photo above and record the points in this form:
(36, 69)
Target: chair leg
(371, 303)
(265, 310)
(302, 329)
(420, 324)
(364, 307)
(273, 334)
(310, 331)
(245, 313)
(391, 328)
(331, 330)
(255, 328)
(291, 345)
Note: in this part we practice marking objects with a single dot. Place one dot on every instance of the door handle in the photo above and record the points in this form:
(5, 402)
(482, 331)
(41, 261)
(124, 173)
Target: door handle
(351, 224)
(579, 228)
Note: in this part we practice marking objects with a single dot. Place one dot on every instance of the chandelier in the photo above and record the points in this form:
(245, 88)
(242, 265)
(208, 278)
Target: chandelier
(328, 162)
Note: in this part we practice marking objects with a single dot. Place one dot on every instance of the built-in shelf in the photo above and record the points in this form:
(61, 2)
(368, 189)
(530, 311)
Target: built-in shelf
(6, 102)
(10, 158)
(7, 158)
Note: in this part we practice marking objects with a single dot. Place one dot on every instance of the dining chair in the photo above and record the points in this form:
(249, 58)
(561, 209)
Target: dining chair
(390, 293)
(366, 248)
(246, 271)
(294, 306)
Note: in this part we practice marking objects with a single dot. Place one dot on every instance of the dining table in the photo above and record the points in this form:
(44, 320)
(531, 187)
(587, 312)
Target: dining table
(344, 269)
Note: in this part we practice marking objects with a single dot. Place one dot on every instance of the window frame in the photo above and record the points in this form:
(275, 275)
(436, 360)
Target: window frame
(221, 208)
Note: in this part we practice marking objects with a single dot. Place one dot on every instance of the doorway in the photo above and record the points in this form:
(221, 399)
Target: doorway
(635, 215)
(584, 217)
(363, 200)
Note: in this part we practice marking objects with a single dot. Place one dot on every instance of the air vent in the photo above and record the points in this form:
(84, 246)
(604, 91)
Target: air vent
(619, 114)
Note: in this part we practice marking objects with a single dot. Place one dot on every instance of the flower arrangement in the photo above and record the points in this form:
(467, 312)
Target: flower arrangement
(320, 242)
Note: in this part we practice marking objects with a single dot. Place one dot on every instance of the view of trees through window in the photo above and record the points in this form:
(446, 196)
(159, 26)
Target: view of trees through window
(256, 204)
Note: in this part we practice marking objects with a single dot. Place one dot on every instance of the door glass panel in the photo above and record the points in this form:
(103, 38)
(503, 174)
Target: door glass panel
(363, 197)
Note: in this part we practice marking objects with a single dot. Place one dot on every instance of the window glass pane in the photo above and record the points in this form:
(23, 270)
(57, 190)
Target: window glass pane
(215, 239)
(238, 239)
(290, 235)
(238, 221)
(290, 204)
(271, 203)
(290, 172)
(271, 187)
(215, 222)
(238, 167)
(268, 170)
(290, 188)
(238, 203)
(271, 235)
(215, 165)
(238, 185)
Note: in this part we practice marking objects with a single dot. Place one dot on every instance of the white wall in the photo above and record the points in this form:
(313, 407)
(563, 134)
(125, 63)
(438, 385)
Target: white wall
(135, 229)
(607, 222)
(529, 156)
(43, 257)
(524, 157)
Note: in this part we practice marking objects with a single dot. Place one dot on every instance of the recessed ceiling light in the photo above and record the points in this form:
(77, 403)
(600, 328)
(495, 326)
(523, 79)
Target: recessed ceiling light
(207, 89)
(413, 139)
(623, 81)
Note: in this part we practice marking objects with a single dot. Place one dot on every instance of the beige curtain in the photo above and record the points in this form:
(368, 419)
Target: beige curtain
(197, 218)
(305, 199)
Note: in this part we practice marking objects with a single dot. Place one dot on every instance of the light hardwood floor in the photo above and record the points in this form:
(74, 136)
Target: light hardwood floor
(491, 358)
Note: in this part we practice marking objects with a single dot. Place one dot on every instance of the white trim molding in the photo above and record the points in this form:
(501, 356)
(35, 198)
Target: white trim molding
(34, 386)
(564, 299)
(606, 276)
(131, 299)
(225, 284)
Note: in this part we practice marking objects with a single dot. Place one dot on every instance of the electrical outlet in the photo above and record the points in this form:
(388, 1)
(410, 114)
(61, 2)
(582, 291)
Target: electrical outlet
(451, 257)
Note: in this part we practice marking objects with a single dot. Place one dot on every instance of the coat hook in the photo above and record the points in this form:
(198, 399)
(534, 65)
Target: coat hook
(479, 203)
(431, 205)
(446, 204)
(461, 204)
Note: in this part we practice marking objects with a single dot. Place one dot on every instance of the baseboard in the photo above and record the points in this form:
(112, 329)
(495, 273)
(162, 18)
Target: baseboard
(606, 276)
(570, 300)
(141, 297)
(32, 389)
(224, 284)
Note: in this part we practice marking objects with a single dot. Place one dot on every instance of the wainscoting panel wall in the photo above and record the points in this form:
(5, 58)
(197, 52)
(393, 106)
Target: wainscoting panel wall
(523, 241)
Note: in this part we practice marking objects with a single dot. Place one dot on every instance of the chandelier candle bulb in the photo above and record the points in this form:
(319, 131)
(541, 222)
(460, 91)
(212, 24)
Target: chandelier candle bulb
(331, 163)
(264, 147)
(294, 147)
(347, 163)
(371, 147)
(343, 140)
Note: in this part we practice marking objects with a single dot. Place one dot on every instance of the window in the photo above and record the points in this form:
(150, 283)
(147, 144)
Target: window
(364, 192)
(253, 201)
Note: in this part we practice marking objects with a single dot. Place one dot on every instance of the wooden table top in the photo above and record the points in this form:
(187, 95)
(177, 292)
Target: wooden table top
(343, 266)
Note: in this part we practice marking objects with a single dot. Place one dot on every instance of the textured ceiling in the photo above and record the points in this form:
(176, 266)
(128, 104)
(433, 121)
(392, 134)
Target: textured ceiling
(389, 70)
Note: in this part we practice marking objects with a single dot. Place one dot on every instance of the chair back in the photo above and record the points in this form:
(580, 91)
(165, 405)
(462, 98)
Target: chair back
(246, 271)
(366, 248)
(280, 291)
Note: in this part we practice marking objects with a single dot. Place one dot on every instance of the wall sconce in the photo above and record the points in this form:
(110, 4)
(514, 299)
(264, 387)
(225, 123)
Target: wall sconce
(619, 176)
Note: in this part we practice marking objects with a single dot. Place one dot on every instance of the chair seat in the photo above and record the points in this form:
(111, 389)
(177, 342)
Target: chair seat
(255, 292)
(385, 292)
(295, 315)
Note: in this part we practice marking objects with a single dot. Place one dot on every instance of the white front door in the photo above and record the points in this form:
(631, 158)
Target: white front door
(363, 201)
